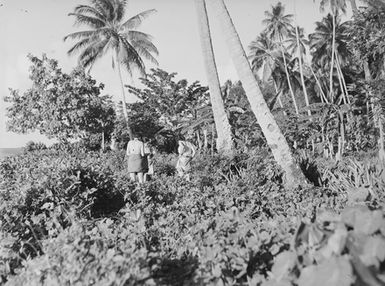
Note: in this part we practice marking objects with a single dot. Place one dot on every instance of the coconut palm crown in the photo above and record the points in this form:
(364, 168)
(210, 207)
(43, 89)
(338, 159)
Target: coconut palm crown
(321, 41)
(110, 32)
(277, 24)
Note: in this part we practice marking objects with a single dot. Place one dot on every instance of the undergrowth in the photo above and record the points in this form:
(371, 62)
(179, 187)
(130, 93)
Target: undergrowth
(71, 218)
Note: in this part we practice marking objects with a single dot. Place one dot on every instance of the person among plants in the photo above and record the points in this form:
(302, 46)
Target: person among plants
(186, 151)
(136, 163)
(149, 152)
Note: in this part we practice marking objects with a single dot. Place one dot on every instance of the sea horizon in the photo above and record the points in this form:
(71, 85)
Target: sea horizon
(4, 152)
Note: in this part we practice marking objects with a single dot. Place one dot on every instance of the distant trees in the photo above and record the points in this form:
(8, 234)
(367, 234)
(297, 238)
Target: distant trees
(169, 108)
(278, 27)
(60, 105)
(341, 77)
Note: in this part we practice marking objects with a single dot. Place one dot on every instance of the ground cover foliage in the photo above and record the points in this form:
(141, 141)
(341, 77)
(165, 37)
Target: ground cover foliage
(73, 218)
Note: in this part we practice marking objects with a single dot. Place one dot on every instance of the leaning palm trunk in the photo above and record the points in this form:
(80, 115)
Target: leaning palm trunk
(274, 137)
(323, 96)
(124, 103)
(301, 73)
(341, 76)
(279, 97)
(224, 141)
(343, 95)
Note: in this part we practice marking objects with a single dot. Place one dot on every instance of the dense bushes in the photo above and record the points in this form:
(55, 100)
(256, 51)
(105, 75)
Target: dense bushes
(71, 218)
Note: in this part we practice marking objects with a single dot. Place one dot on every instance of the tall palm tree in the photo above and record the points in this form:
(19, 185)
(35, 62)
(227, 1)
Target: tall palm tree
(330, 38)
(109, 32)
(297, 44)
(264, 54)
(270, 129)
(224, 142)
(335, 6)
(278, 26)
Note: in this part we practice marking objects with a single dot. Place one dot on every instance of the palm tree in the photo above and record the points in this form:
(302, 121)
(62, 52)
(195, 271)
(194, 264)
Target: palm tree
(330, 38)
(297, 44)
(224, 142)
(273, 135)
(278, 26)
(265, 54)
(335, 6)
(109, 32)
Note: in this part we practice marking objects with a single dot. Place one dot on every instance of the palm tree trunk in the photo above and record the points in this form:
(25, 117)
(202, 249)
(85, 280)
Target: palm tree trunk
(288, 81)
(274, 137)
(332, 59)
(381, 147)
(341, 75)
(279, 97)
(319, 85)
(224, 141)
(342, 87)
(301, 73)
(205, 139)
(124, 103)
(212, 138)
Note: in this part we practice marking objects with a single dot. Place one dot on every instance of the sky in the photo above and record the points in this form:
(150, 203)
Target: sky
(38, 26)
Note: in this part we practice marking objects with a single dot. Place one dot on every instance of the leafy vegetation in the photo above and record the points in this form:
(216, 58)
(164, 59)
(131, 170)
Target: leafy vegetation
(69, 214)
(83, 223)
(59, 105)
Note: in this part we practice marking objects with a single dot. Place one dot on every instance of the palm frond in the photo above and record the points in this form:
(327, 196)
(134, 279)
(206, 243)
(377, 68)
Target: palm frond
(105, 7)
(85, 9)
(94, 51)
(130, 57)
(87, 20)
(143, 39)
(81, 34)
(145, 53)
(136, 20)
(79, 45)
(120, 7)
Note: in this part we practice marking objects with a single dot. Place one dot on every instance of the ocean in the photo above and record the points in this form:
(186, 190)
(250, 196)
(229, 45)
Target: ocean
(4, 152)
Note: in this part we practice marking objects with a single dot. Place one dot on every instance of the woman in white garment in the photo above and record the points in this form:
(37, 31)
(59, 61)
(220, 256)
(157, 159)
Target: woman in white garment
(136, 159)
(186, 151)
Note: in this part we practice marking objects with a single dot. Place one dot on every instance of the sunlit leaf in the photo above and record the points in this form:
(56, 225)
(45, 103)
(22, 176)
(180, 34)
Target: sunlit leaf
(336, 271)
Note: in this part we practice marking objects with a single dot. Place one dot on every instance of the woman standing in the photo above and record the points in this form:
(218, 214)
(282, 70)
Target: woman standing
(136, 159)
(186, 151)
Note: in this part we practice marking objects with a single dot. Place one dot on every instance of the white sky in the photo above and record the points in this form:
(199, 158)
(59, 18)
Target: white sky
(38, 26)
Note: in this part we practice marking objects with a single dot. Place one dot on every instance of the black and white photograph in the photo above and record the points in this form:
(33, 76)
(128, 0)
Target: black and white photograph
(192, 142)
